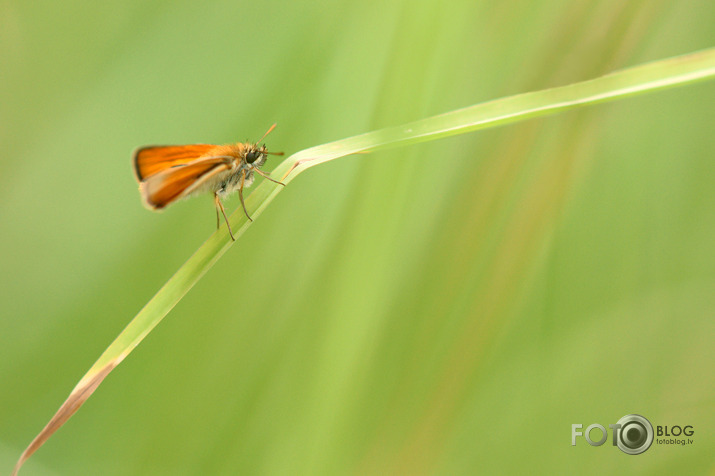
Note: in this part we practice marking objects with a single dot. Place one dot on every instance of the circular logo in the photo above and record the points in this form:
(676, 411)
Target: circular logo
(635, 434)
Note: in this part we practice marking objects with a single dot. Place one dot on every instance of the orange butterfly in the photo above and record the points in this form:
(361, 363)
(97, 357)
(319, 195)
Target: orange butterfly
(168, 173)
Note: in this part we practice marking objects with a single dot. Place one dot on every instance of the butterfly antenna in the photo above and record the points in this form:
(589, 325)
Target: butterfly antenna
(267, 132)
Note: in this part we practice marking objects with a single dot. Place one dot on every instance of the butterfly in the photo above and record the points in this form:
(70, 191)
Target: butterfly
(167, 173)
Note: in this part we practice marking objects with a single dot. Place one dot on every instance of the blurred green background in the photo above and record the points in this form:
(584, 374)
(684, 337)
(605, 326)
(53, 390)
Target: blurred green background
(447, 308)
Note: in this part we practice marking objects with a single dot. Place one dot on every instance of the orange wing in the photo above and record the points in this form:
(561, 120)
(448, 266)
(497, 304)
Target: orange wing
(163, 188)
(151, 160)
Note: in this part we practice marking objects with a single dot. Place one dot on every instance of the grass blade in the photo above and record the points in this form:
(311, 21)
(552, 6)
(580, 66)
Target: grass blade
(640, 79)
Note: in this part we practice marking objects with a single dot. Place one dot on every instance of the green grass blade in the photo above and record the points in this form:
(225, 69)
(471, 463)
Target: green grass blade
(640, 79)
(629, 82)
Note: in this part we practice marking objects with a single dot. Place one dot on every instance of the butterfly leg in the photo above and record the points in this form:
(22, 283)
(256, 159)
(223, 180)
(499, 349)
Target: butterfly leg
(240, 194)
(263, 174)
(219, 205)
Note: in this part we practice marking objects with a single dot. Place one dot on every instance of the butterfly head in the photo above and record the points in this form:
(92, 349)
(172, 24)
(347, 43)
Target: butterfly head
(256, 155)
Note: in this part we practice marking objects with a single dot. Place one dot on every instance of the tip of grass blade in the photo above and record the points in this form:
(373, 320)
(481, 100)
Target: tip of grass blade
(76, 399)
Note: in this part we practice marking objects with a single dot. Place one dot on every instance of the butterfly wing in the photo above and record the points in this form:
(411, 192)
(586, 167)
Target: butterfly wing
(180, 180)
(151, 160)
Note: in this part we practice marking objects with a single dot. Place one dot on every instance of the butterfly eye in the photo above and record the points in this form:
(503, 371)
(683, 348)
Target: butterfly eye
(252, 155)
